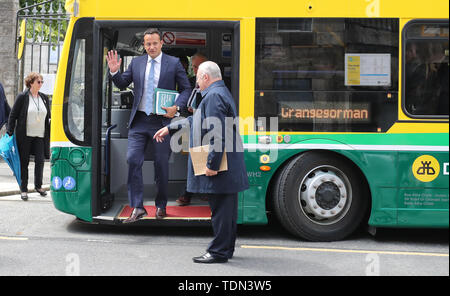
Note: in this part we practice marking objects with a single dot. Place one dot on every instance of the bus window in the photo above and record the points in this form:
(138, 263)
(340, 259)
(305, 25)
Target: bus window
(426, 66)
(75, 103)
(78, 85)
(327, 75)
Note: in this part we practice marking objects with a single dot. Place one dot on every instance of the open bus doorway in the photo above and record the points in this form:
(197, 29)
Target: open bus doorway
(216, 41)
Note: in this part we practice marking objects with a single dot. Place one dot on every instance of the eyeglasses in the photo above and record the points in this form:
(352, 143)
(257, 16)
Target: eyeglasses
(40, 82)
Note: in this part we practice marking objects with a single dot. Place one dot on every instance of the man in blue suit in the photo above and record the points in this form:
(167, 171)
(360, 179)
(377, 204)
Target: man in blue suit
(155, 69)
(215, 123)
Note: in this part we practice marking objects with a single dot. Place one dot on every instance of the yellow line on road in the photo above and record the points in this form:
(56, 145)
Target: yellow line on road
(346, 251)
(13, 238)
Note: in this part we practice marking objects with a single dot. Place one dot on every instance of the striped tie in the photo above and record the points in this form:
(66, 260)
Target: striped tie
(150, 89)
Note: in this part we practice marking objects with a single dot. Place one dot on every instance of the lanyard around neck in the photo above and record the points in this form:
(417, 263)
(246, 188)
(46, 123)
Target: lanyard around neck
(34, 101)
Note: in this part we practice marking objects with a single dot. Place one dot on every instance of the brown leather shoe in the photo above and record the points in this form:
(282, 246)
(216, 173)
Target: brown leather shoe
(160, 213)
(137, 214)
(183, 201)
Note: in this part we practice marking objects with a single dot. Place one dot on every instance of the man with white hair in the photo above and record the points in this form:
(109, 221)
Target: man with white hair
(211, 124)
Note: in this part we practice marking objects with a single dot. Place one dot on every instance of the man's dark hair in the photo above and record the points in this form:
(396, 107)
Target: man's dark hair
(153, 31)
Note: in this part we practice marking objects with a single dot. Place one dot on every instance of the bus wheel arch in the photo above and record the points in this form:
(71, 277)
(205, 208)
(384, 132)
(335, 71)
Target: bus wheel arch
(320, 195)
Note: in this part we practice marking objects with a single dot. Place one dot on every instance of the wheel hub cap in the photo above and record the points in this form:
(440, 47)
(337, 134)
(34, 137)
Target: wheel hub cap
(324, 195)
(328, 195)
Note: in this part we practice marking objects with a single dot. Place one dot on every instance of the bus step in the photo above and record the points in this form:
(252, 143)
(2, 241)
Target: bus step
(195, 213)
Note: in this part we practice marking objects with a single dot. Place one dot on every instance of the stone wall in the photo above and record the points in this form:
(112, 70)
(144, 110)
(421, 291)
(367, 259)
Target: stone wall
(8, 59)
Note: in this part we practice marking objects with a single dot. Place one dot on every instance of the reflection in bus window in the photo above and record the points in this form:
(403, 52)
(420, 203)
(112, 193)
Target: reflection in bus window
(426, 77)
(301, 71)
(421, 30)
(76, 103)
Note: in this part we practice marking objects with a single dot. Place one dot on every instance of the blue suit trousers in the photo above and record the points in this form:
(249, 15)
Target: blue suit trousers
(139, 136)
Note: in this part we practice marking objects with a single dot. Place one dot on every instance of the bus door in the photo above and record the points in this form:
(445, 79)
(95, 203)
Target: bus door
(219, 41)
(108, 39)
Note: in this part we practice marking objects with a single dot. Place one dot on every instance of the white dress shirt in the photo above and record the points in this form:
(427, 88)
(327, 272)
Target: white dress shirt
(156, 79)
(143, 102)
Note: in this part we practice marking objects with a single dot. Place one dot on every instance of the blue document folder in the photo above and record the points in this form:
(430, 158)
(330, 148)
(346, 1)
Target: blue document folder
(164, 98)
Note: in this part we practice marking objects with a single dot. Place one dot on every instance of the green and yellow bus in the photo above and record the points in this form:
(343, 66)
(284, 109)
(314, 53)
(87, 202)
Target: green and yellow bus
(343, 110)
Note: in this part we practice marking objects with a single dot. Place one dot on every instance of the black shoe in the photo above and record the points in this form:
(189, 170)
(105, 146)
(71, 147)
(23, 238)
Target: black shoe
(160, 213)
(41, 191)
(24, 196)
(208, 258)
(138, 213)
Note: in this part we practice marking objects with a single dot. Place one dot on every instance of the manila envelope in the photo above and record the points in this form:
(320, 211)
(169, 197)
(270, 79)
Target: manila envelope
(199, 157)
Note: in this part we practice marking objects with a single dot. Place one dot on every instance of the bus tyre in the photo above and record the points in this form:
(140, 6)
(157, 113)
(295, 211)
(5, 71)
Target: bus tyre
(320, 197)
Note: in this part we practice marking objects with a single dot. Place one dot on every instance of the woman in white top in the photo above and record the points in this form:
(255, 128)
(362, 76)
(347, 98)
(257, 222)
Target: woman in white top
(30, 120)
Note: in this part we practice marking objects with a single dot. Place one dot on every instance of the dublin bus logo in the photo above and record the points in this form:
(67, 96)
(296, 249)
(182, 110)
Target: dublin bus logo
(425, 169)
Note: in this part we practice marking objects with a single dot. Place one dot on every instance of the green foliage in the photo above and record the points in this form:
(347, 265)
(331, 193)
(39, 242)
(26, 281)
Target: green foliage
(50, 24)
(55, 3)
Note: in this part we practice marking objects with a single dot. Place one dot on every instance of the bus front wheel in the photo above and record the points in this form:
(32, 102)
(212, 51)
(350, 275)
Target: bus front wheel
(320, 197)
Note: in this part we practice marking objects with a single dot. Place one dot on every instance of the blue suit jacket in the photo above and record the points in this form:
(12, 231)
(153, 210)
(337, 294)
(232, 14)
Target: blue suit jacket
(172, 74)
(217, 105)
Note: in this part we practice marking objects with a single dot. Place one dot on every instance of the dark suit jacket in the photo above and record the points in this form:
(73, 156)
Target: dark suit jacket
(172, 75)
(217, 105)
(19, 114)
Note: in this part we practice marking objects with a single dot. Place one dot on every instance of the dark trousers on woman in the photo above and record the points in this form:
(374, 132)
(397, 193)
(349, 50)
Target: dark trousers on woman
(224, 210)
(31, 145)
